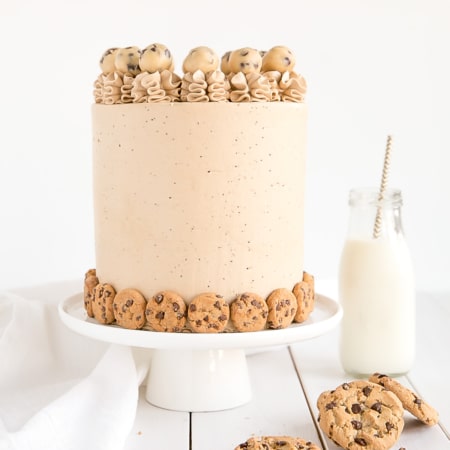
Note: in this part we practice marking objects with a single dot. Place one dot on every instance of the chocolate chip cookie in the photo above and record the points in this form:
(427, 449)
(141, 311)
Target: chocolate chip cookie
(208, 313)
(166, 311)
(282, 306)
(277, 443)
(129, 309)
(361, 415)
(248, 312)
(305, 300)
(102, 306)
(90, 281)
(410, 401)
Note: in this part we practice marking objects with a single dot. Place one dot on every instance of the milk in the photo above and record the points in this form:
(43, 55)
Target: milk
(376, 290)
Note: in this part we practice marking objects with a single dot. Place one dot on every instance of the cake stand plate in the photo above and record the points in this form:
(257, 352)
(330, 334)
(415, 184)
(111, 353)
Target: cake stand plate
(213, 366)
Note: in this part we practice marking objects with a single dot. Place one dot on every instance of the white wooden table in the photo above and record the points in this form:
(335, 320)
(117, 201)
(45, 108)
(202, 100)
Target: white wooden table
(286, 382)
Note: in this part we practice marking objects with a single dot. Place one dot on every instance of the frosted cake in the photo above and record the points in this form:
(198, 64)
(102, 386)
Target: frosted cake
(198, 184)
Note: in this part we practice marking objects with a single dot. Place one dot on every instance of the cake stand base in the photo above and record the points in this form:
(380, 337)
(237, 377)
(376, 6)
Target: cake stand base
(198, 380)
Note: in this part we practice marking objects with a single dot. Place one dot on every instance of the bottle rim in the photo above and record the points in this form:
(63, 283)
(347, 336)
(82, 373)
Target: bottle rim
(370, 196)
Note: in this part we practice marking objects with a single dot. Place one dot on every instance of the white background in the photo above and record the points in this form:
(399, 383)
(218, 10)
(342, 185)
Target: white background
(373, 68)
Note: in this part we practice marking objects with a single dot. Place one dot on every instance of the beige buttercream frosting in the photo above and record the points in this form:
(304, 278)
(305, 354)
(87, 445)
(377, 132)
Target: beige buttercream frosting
(126, 88)
(98, 89)
(194, 87)
(171, 83)
(112, 84)
(239, 90)
(259, 86)
(274, 77)
(138, 90)
(218, 86)
(293, 87)
(250, 87)
(156, 87)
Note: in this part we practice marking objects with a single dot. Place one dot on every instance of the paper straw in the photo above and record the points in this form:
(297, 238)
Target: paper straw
(384, 181)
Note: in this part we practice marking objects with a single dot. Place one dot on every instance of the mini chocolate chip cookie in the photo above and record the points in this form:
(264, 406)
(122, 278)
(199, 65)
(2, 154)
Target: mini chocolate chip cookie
(248, 312)
(361, 415)
(102, 306)
(129, 309)
(410, 401)
(305, 300)
(277, 443)
(310, 280)
(208, 313)
(166, 311)
(282, 306)
(90, 281)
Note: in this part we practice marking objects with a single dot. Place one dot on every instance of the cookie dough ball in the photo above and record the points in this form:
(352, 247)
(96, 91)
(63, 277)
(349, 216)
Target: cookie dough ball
(278, 58)
(245, 60)
(225, 63)
(201, 58)
(107, 61)
(156, 58)
(127, 60)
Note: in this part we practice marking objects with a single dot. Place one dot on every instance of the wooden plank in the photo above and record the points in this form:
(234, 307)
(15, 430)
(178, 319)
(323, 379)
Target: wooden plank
(429, 375)
(157, 428)
(278, 407)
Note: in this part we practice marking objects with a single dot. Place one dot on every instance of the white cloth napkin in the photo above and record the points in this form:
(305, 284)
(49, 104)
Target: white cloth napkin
(59, 390)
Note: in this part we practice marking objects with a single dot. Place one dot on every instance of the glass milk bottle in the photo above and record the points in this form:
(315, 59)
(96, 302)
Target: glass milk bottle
(376, 287)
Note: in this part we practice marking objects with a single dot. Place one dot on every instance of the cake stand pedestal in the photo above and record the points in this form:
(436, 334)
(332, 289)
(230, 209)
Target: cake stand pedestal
(199, 372)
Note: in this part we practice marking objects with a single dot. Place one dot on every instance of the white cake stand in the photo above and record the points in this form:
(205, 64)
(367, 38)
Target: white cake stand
(199, 372)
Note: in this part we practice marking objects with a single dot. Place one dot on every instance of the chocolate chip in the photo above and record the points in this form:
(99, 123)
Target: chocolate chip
(389, 426)
(330, 405)
(356, 408)
(129, 302)
(192, 307)
(367, 390)
(356, 424)
(360, 441)
(346, 386)
(376, 407)
(223, 318)
(217, 305)
(417, 401)
(158, 298)
(160, 315)
(175, 307)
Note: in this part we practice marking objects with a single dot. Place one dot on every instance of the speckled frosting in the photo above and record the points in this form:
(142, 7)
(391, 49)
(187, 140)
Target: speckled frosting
(199, 197)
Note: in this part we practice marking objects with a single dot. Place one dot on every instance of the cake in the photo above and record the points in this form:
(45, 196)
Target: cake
(198, 179)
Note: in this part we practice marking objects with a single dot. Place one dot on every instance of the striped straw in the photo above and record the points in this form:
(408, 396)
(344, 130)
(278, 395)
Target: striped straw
(384, 181)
